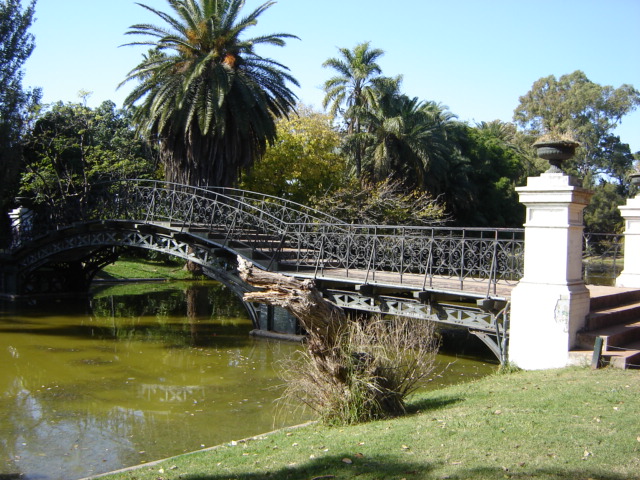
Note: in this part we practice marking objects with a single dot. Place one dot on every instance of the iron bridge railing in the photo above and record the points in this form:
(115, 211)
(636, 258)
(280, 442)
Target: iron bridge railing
(294, 237)
(602, 257)
(418, 256)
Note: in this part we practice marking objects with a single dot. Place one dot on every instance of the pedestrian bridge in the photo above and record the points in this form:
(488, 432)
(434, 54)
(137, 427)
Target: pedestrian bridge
(459, 277)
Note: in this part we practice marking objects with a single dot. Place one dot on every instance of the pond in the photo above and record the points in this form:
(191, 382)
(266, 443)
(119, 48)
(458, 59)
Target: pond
(137, 373)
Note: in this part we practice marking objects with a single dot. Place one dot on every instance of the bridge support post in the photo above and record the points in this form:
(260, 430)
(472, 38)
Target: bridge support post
(550, 303)
(630, 276)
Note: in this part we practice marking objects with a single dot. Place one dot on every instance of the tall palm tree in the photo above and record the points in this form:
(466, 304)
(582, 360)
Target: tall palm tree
(351, 91)
(204, 93)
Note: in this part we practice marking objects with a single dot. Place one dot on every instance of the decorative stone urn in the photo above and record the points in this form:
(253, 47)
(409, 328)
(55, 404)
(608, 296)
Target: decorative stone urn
(635, 179)
(555, 152)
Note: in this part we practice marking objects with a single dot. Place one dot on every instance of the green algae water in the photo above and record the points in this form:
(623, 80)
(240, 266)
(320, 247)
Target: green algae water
(134, 376)
(137, 373)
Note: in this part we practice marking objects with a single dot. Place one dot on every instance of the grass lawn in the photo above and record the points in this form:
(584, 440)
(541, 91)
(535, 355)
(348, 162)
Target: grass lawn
(141, 268)
(558, 424)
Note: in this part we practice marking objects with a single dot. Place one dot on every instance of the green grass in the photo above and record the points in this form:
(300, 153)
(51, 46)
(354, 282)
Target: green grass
(141, 268)
(559, 424)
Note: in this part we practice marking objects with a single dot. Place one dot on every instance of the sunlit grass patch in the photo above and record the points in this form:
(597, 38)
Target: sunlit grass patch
(143, 268)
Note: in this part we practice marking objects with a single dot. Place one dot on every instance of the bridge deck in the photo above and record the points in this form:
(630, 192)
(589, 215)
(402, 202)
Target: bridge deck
(470, 287)
(475, 288)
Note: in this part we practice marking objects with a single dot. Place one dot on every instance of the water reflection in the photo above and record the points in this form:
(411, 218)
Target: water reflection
(143, 375)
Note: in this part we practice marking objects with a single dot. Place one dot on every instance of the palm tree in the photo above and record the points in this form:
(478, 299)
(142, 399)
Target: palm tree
(204, 94)
(408, 141)
(352, 90)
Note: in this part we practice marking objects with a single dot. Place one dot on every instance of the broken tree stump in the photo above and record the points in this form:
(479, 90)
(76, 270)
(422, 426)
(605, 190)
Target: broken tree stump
(323, 320)
(301, 298)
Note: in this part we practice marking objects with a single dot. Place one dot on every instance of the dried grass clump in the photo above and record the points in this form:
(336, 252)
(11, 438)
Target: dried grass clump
(367, 374)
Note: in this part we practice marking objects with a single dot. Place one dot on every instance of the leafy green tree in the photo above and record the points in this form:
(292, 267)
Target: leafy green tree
(496, 167)
(203, 91)
(383, 203)
(72, 147)
(589, 112)
(352, 90)
(417, 144)
(303, 162)
(16, 45)
(602, 214)
(575, 105)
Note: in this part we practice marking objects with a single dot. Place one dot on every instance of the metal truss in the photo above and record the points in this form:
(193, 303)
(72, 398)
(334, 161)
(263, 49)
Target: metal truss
(166, 242)
(460, 316)
(490, 327)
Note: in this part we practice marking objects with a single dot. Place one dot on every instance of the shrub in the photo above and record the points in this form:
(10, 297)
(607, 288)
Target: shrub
(367, 375)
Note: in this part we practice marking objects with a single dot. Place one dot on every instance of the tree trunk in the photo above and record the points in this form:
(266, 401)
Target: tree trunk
(323, 320)
(341, 382)
(301, 298)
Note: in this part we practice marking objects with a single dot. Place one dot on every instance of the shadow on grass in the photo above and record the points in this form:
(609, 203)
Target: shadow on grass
(333, 467)
(495, 473)
(421, 405)
(330, 467)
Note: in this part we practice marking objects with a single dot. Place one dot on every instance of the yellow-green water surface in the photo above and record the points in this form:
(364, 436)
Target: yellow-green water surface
(137, 374)
(134, 380)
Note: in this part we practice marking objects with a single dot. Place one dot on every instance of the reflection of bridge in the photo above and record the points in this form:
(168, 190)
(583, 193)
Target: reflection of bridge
(459, 277)
(172, 393)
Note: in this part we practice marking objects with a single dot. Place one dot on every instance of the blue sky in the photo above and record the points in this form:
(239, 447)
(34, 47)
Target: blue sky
(477, 57)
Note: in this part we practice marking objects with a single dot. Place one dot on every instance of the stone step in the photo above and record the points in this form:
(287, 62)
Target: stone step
(629, 357)
(615, 315)
(603, 298)
(614, 336)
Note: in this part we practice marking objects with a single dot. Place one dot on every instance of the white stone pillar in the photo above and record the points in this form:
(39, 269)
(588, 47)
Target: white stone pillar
(550, 303)
(630, 275)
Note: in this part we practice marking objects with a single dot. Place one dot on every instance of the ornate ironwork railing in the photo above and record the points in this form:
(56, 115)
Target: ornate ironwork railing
(296, 237)
(163, 201)
(460, 254)
(302, 238)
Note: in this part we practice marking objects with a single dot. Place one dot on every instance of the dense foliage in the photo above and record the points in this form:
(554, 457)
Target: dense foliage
(16, 45)
(493, 166)
(303, 162)
(204, 92)
(420, 145)
(72, 147)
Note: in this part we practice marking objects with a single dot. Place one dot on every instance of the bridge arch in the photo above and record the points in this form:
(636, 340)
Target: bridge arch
(66, 261)
(208, 226)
